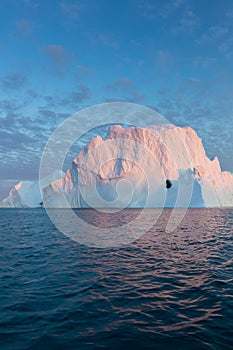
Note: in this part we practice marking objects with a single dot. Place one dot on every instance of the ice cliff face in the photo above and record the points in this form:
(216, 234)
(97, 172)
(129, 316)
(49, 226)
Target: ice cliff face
(137, 167)
(27, 193)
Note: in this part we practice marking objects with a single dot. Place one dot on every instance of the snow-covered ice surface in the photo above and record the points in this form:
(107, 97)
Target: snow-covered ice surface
(129, 168)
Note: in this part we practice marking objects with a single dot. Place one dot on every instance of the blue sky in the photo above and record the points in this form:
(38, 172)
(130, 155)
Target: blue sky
(58, 57)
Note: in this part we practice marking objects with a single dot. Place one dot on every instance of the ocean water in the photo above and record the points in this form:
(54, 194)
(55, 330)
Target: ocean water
(162, 291)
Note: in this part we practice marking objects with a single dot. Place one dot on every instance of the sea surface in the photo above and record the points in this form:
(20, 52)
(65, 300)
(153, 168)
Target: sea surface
(162, 291)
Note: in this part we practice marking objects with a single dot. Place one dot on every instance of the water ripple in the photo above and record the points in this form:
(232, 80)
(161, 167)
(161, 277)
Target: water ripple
(160, 292)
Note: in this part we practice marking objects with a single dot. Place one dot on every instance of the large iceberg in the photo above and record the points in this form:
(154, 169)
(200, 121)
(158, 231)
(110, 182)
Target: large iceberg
(160, 166)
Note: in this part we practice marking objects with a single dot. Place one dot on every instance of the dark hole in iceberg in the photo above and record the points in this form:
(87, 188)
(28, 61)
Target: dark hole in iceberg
(168, 184)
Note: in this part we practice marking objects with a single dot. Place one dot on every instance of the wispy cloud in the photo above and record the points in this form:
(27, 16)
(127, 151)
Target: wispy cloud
(56, 53)
(204, 61)
(188, 22)
(74, 98)
(220, 37)
(136, 97)
(120, 84)
(148, 9)
(83, 71)
(213, 34)
(59, 59)
(24, 27)
(151, 10)
(165, 60)
(108, 39)
(69, 101)
(71, 10)
(99, 39)
(32, 93)
(31, 3)
(14, 81)
(229, 14)
(9, 105)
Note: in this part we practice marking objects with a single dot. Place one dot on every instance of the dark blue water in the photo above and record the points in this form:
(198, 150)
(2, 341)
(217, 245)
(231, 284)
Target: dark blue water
(163, 291)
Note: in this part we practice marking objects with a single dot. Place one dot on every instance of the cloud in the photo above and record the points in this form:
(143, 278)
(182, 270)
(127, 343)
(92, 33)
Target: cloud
(22, 138)
(183, 17)
(108, 39)
(11, 105)
(56, 53)
(120, 84)
(202, 105)
(51, 100)
(187, 23)
(220, 37)
(136, 97)
(71, 10)
(113, 99)
(67, 101)
(165, 59)
(59, 59)
(147, 9)
(163, 91)
(83, 71)
(13, 141)
(76, 97)
(217, 32)
(80, 96)
(24, 27)
(48, 114)
(226, 47)
(213, 34)
(13, 81)
(229, 14)
(204, 61)
(171, 6)
(50, 119)
(31, 3)
(102, 38)
(9, 121)
(123, 89)
(152, 10)
(5, 186)
(194, 81)
(32, 93)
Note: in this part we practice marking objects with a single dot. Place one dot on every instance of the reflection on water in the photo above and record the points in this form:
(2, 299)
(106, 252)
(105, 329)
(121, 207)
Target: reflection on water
(162, 291)
(103, 219)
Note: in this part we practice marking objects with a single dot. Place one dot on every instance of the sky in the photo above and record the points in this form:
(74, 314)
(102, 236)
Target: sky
(59, 56)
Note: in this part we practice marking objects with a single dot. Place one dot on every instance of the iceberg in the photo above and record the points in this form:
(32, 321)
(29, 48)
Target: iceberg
(133, 167)
(160, 166)
(27, 194)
